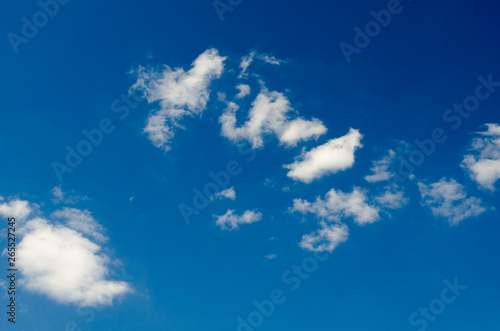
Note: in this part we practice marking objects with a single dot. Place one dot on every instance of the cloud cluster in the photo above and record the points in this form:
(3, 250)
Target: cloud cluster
(179, 93)
(331, 157)
(230, 221)
(270, 114)
(483, 164)
(448, 199)
(338, 205)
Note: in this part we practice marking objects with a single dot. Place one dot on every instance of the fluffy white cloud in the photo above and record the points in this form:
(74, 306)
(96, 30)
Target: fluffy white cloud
(301, 130)
(229, 193)
(448, 199)
(231, 221)
(483, 163)
(179, 93)
(244, 91)
(61, 259)
(336, 155)
(326, 238)
(269, 115)
(16, 208)
(338, 205)
(64, 265)
(380, 169)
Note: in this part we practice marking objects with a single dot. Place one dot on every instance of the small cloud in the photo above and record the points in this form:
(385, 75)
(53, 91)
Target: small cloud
(131, 198)
(270, 182)
(229, 193)
(336, 155)
(230, 221)
(448, 199)
(271, 256)
(326, 238)
(62, 197)
(244, 91)
(483, 164)
(380, 169)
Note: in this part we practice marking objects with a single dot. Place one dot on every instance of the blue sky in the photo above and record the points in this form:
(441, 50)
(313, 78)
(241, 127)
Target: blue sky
(349, 191)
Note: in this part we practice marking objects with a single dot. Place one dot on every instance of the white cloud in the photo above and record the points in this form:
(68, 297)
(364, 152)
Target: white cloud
(326, 238)
(58, 194)
(271, 256)
(244, 91)
(61, 196)
(229, 193)
(247, 60)
(448, 199)
(269, 115)
(270, 59)
(179, 93)
(301, 130)
(58, 260)
(230, 221)
(64, 265)
(338, 205)
(336, 155)
(483, 164)
(392, 198)
(81, 221)
(380, 169)
(16, 208)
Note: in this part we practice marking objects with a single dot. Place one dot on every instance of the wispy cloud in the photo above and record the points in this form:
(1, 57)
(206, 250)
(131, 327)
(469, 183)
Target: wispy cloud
(326, 238)
(230, 221)
(448, 199)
